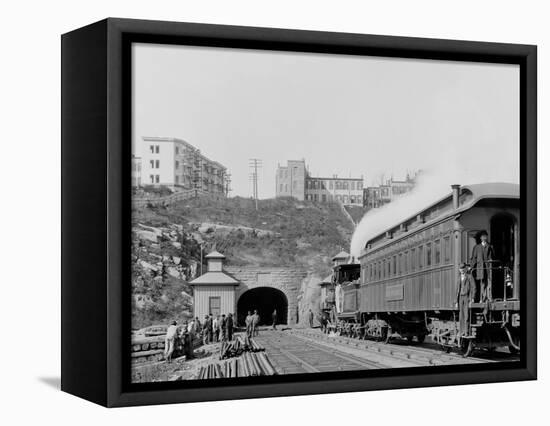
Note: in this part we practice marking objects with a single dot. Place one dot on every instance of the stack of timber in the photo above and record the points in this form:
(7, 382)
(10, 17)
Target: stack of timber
(148, 345)
(147, 348)
(238, 346)
(248, 364)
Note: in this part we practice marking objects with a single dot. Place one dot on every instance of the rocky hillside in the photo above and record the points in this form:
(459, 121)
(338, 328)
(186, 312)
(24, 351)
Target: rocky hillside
(282, 232)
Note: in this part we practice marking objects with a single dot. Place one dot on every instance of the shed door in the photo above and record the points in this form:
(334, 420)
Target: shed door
(214, 306)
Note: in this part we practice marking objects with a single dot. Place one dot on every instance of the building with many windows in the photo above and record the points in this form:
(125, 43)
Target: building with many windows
(291, 179)
(294, 180)
(377, 196)
(177, 164)
(348, 191)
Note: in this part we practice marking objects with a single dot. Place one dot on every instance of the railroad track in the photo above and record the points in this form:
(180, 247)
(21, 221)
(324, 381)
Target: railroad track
(309, 351)
(418, 355)
(292, 354)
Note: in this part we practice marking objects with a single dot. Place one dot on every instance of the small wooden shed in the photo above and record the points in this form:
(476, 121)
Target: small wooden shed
(214, 292)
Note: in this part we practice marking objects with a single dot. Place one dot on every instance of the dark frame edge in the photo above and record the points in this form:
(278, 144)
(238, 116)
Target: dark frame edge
(529, 180)
(83, 190)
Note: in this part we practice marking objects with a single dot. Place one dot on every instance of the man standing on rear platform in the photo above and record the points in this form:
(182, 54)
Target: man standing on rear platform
(465, 293)
(482, 256)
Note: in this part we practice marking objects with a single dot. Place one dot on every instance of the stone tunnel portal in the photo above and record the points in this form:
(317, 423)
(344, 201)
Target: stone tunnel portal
(264, 300)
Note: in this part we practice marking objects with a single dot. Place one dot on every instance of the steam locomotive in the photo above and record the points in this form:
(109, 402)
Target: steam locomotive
(405, 283)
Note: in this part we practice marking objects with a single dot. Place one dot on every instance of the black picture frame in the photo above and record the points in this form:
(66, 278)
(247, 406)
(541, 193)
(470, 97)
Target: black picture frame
(96, 100)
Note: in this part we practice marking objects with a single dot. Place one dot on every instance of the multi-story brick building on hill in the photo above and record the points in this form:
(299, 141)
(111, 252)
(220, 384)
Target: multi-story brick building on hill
(294, 180)
(177, 164)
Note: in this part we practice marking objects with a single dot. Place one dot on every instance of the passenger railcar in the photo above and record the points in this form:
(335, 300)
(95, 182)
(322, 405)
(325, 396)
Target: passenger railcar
(409, 273)
(347, 278)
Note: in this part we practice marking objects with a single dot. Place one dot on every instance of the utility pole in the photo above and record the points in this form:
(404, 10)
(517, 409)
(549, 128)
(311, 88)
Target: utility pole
(202, 248)
(254, 164)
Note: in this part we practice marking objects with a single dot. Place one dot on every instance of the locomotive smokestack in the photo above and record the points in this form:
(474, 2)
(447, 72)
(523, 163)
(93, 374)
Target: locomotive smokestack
(456, 192)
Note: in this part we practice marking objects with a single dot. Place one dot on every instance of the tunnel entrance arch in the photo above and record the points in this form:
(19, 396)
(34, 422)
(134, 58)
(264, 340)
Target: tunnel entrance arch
(264, 300)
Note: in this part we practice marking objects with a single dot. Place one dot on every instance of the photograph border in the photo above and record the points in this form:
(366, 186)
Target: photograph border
(96, 124)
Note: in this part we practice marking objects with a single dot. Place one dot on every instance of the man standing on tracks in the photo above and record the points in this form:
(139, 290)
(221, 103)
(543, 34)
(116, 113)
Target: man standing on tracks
(216, 328)
(274, 318)
(170, 341)
(207, 330)
(188, 341)
(222, 328)
(229, 327)
(248, 323)
(324, 322)
(255, 323)
(465, 293)
(310, 318)
(482, 256)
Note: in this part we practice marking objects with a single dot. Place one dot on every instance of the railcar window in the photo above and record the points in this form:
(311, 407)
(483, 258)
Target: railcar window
(420, 257)
(413, 259)
(369, 273)
(437, 252)
(400, 264)
(394, 265)
(428, 254)
(406, 262)
(447, 249)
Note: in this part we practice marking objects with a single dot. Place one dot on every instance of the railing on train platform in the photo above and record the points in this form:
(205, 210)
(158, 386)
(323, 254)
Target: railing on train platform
(509, 286)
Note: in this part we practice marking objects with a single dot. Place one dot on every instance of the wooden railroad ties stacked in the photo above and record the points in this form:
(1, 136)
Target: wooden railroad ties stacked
(147, 345)
(246, 365)
(244, 357)
(147, 348)
(238, 346)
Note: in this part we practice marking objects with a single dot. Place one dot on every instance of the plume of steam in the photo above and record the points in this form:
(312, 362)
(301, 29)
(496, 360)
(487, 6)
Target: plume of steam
(431, 186)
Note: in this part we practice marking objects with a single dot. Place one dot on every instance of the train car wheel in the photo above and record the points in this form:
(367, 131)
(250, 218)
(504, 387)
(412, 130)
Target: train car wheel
(420, 338)
(387, 338)
(467, 347)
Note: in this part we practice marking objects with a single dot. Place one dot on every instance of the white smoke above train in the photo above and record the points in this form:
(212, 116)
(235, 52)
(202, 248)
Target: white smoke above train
(431, 185)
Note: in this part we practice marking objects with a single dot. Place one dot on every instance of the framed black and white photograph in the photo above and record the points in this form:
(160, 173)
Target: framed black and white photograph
(279, 212)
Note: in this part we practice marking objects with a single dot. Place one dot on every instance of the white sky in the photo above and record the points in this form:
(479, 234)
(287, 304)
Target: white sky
(344, 114)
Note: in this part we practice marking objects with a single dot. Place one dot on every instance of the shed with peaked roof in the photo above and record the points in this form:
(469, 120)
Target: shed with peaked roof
(214, 291)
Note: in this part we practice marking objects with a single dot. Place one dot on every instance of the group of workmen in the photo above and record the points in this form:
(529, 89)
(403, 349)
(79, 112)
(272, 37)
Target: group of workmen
(180, 339)
(216, 329)
(251, 322)
(213, 329)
